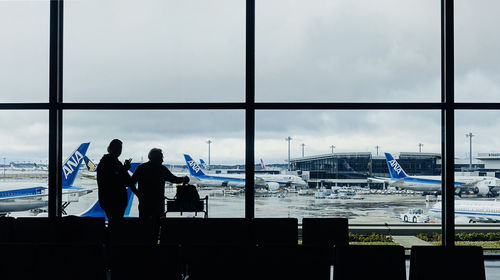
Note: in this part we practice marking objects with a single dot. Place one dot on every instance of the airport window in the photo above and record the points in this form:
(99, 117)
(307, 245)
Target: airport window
(194, 62)
(476, 74)
(348, 51)
(478, 203)
(24, 51)
(23, 158)
(158, 51)
(332, 171)
(178, 133)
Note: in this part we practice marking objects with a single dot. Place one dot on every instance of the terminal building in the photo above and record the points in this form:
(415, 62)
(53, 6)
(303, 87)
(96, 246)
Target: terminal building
(353, 168)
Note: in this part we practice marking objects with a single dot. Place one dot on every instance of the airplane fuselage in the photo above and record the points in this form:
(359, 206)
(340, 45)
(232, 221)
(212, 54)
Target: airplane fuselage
(474, 210)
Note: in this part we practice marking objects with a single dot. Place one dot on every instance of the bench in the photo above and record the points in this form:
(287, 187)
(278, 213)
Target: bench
(174, 205)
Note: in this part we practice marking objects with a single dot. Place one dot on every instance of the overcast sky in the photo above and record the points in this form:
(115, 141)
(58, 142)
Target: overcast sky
(194, 51)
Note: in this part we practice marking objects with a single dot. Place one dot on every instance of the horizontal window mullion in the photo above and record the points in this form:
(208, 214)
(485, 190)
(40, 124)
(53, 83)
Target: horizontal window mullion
(24, 106)
(257, 106)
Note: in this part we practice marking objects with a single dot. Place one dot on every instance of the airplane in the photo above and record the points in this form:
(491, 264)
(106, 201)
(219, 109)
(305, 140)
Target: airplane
(20, 197)
(262, 165)
(203, 164)
(472, 211)
(91, 166)
(479, 185)
(95, 209)
(271, 181)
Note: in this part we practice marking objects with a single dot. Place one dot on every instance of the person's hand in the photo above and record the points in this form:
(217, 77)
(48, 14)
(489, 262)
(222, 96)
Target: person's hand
(186, 179)
(127, 164)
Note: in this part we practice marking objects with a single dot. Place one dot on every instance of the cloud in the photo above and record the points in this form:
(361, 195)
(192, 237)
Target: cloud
(194, 51)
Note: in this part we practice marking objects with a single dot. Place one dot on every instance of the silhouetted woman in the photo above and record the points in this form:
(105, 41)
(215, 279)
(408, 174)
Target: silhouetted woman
(112, 181)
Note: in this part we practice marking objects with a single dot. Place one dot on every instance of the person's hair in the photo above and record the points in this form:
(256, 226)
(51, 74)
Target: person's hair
(155, 153)
(114, 143)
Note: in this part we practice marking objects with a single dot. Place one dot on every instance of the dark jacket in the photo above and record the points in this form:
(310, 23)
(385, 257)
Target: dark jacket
(151, 180)
(112, 182)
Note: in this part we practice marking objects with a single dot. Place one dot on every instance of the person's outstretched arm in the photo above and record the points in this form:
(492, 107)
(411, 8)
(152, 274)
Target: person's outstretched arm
(172, 178)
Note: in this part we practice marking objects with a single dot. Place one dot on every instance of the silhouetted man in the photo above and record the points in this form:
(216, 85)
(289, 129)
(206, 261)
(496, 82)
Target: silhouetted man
(151, 177)
(112, 181)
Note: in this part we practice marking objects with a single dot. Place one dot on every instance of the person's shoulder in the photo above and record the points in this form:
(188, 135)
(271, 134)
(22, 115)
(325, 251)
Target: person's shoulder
(141, 166)
(105, 160)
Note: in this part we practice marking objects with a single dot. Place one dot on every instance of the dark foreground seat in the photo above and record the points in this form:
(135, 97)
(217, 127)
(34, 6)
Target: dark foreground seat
(369, 262)
(289, 262)
(439, 262)
(197, 231)
(59, 230)
(217, 262)
(81, 229)
(133, 231)
(144, 261)
(6, 228)
(325, 232)
(274, 231)
(22, 261)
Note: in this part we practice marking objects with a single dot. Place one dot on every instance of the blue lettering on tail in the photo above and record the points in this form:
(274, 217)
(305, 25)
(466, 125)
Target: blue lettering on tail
(193, 167)
(395, 170)
(72, 165)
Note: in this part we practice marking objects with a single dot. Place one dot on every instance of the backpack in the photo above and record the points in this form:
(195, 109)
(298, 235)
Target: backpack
(186, 192)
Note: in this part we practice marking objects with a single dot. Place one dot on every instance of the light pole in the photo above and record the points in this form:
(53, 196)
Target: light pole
(4, 167)
(420, 145)
(303, 145)
(288, 139)
(470, 135)
(332, 147)
(376, 147)
(209, 142)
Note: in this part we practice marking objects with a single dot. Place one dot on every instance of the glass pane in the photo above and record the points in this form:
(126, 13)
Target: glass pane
(23, 161)
(177, 133)
(154, 51)
(344, 163)
(477, 59)
(477, 169)
(24, 51)
(348, 50)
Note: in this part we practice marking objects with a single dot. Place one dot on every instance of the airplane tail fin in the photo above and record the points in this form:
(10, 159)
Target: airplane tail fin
(72, 165)
(193, 167)
(96, 210)
(262, 165)
(395, 170)
(91, 167)
(203, 164)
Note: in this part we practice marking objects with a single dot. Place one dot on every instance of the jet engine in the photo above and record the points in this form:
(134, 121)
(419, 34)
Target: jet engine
(273, 186)
(482, 188)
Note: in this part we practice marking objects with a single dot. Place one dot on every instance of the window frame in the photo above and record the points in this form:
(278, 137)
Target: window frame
(56, 107)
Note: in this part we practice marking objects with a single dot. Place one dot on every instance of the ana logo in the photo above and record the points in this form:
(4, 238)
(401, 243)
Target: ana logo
(194, 166)
(72, 163)
(394, 164)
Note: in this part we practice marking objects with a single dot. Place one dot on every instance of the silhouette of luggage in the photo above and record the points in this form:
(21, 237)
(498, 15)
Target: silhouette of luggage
(186, 192)
(187, 199)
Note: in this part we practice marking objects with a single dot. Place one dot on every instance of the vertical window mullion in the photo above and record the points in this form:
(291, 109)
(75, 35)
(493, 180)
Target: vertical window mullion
(55, 108)
(447, 124)
(250, 110)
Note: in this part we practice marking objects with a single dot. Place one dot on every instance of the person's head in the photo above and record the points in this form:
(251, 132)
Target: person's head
(155, 156)
(115, 147)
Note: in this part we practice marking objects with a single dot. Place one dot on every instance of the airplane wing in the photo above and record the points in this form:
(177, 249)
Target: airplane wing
(259, 181)
(81, 192)
(399, 183)
(379, 180)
